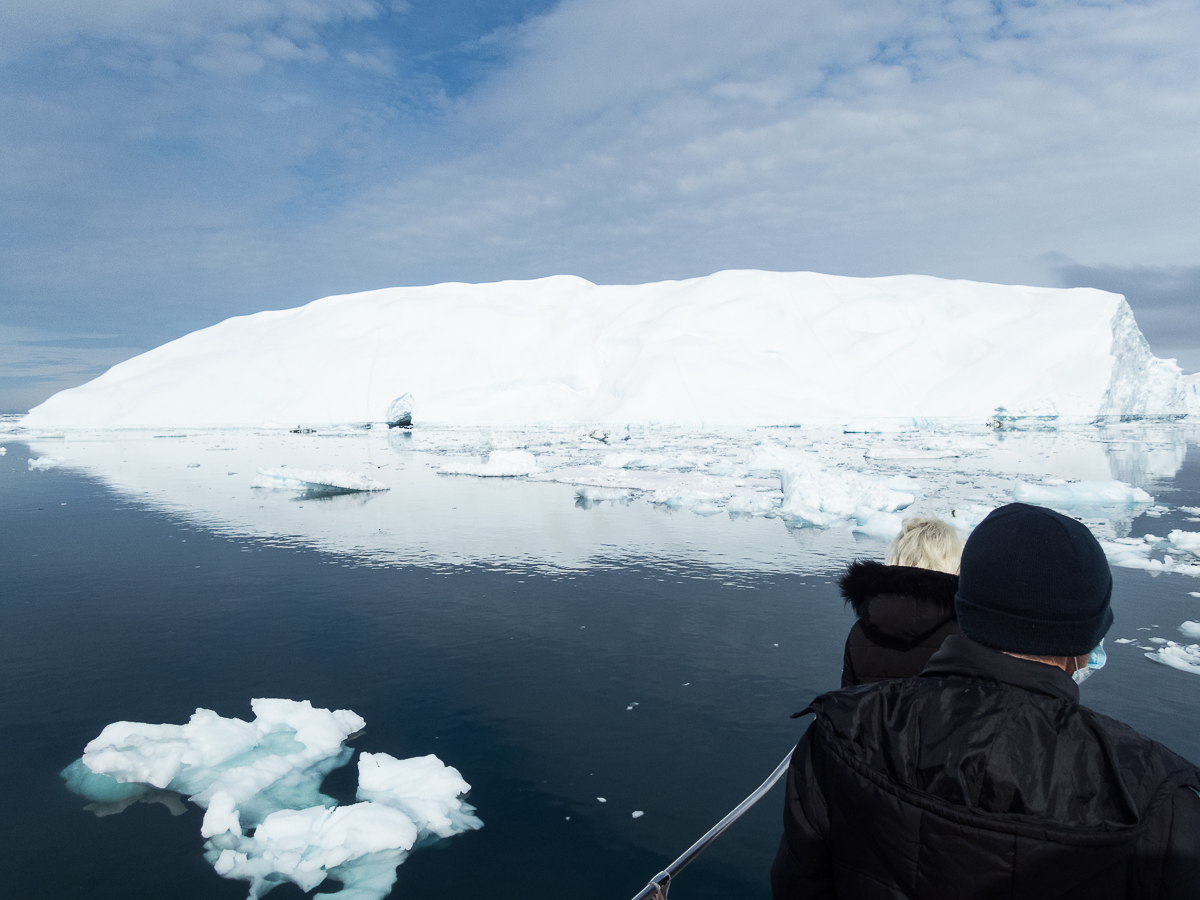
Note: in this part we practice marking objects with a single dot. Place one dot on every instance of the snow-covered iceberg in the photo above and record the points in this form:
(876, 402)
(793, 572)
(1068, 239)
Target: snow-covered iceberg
(737, 347)
(266, 821)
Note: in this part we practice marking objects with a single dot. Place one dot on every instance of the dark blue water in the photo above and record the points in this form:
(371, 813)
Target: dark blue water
(521, 680)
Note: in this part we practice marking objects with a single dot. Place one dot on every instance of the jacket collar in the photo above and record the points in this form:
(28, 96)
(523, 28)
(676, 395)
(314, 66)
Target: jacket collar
(961, 657)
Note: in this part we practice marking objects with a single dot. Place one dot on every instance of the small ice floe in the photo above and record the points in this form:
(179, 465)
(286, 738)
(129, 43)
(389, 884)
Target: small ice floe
(1191, 510)
(588, 496)
(631, 706)
(755, 503)
(1190, 629)
(1187, 541)
(1156, 511)
(332, 481)
(1134, 553)
(637, 814)
(1055, 492)
(1125, 641)
(901, 452)
(500, 464)
(1185, 657)
(601, 799)
(265, 819)
(702, 503)
(1154, 640)
(3, 450)
(815, 495)
(880, 524)
(42, 463)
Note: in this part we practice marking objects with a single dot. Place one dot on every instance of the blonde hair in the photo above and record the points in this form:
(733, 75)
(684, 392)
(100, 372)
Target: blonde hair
(926, 543)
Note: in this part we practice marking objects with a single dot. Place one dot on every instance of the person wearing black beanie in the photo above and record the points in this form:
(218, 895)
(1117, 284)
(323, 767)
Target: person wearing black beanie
(1033, 581)
(984, 776)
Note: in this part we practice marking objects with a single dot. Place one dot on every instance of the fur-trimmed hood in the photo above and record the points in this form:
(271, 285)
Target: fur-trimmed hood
(902, 603)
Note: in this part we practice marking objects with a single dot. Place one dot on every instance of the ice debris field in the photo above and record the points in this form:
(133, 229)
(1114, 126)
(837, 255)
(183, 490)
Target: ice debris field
(747, 347)
(266, 821)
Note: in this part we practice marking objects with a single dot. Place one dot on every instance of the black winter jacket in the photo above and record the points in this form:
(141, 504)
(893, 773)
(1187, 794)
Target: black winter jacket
(904, 614)
(983, 779)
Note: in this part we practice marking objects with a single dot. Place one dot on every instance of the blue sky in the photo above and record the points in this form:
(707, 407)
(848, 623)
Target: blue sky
(168, 164)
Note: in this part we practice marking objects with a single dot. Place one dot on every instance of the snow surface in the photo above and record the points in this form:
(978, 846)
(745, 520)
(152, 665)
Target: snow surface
(748, 347)
(263, 777)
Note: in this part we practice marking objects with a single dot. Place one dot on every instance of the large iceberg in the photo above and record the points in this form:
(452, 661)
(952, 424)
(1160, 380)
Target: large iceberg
(737, 347)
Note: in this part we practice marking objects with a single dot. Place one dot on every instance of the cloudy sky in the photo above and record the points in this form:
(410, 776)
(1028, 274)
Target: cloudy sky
(170, 163)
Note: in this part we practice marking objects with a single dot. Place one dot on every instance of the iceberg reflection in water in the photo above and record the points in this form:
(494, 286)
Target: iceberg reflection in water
(636, 622)
(774, 484)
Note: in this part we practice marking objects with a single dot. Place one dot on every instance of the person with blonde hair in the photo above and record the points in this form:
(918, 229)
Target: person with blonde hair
(905, 605)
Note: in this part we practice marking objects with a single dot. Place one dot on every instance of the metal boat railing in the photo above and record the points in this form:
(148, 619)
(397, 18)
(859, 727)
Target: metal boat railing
(661, 883)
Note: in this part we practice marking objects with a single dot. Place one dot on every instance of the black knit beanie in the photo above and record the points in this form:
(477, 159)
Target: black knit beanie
(1034, 581)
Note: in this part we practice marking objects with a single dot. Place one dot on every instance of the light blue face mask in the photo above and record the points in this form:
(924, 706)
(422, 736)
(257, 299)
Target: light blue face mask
(1096, 660)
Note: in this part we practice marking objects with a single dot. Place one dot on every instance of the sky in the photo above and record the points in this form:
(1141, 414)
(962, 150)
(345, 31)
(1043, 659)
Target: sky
(168, 164)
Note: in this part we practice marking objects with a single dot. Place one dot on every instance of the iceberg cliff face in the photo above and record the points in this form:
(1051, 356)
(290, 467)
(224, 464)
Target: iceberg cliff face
(1141, 384)
(737, 347)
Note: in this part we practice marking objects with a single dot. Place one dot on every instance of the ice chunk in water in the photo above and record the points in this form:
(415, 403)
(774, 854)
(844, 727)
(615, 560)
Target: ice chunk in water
(321, 481)
(1190, 629)
(42, 463)
(423, 788)
(266, 821)
(820, 496)
(400, 412)
(500, 464)
(1188, 541)
(1080, 492)
(275, 762)
(1186, 658)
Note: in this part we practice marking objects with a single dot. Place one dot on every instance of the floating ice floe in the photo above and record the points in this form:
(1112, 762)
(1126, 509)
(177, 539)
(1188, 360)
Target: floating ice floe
(266, 821)
(323, 480)
(591, 495)
(42, 463)
(500, 464)
(1134, 553)
(1185, 657)
(815, 495)
(1053, 492)
(1190, 629)
(1188, 541)
(3, 450)
(893, 452)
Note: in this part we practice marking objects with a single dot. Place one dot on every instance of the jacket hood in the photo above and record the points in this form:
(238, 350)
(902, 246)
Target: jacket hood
(898, 603)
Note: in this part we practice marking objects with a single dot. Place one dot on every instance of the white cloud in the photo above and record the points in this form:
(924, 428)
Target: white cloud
(231, 37)
(621, 140)
(634, 138)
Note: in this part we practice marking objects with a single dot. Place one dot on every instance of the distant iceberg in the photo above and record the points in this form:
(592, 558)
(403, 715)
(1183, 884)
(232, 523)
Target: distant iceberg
(738, 347)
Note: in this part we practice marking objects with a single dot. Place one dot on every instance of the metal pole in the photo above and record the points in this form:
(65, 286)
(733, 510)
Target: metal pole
(661, 883)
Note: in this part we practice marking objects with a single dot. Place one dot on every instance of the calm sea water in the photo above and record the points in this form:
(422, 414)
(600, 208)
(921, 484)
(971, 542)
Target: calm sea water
(520, 678)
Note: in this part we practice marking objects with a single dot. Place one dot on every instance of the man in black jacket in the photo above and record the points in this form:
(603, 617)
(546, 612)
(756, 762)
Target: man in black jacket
(983, 777)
